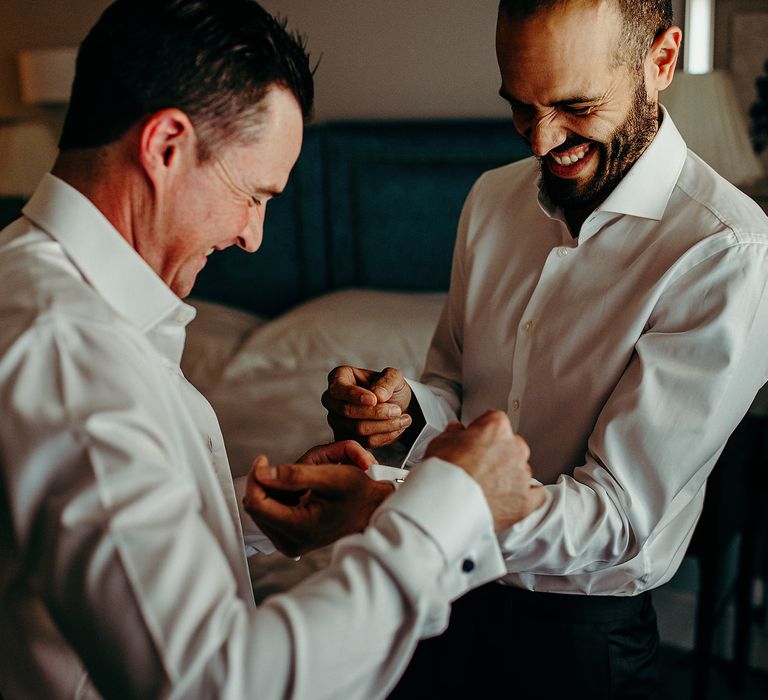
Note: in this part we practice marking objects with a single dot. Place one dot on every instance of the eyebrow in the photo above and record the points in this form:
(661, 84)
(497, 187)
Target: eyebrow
(577, 100)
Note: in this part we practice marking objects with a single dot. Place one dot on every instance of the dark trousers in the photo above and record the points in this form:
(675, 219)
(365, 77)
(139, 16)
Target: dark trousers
(503, 642)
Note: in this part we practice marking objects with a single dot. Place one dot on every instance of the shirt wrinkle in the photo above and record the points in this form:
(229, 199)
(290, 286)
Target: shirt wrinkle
(649, 366)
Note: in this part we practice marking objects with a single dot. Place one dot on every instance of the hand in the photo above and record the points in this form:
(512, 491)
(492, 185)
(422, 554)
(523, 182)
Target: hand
(343, 452)
(368, 406)
(497, 459)
(335, 500)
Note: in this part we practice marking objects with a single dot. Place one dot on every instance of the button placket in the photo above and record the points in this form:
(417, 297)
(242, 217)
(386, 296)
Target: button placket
(532, 316)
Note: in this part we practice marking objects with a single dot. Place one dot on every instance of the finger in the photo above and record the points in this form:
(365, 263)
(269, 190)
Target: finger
(362, 429)
(492, 418)
(270, 512)
(383, 439)
(537, 495)
(523, 451)
(318, 477)
(387, 383)
(261, 460)
(350, 384)
(342, 451)
(357, 455)
(345, 409)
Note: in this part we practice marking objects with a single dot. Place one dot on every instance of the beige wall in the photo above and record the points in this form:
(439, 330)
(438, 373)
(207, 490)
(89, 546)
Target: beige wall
(380, 58)
(400, 58)
(36, 24)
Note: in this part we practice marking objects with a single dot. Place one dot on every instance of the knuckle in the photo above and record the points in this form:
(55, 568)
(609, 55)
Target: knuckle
(522, 448)
(360, 428)
(286, 473)
(346, 410)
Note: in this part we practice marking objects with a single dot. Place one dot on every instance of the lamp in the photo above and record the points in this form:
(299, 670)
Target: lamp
(703, 103)
(27, 151)
(705, 110)
(45, 75)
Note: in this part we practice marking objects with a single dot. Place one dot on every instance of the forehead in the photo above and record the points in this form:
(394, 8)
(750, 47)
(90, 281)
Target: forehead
(560, 52)
(272, 153)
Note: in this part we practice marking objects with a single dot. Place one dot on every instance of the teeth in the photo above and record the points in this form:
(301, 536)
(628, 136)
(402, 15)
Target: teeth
(209, 252)
(569, 160)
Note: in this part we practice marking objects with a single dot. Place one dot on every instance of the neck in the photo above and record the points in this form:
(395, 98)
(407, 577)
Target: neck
(104, 177)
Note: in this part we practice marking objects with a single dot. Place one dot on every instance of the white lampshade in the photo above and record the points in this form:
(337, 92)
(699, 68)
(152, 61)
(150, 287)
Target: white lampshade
(706, 112)
(27, 152)
(45, 75)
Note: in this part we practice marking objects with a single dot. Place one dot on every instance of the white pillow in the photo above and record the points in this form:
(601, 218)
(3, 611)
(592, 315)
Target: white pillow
(363, 328)
(213, 337)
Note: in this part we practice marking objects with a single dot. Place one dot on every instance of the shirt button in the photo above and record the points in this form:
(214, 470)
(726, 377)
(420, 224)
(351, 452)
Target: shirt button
(562, 252)
(515, 404)
(467, 565)
(527, 326)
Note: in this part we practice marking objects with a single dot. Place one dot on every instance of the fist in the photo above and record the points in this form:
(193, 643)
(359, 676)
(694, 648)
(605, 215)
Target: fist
(367, 406)
(490, 452)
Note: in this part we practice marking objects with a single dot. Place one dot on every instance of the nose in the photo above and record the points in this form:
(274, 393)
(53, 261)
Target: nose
(546, 133)
(251, 236)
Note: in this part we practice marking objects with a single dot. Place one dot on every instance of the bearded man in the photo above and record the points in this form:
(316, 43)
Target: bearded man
(610, 296)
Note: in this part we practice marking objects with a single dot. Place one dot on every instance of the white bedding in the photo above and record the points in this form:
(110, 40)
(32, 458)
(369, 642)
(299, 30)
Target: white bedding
(264, 378)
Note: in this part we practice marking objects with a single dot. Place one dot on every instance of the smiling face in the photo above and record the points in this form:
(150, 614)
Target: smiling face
(587, 117)
(222, 202)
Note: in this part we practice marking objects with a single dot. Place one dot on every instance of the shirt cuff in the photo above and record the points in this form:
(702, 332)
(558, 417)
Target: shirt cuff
(394, 475)
(429, 406)
(449, 505)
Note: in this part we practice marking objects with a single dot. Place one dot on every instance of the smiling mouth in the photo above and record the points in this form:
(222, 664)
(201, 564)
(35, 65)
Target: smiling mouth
(208, 252)
(572, 155)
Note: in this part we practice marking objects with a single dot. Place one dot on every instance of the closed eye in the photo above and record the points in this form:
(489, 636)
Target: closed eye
(578, 110)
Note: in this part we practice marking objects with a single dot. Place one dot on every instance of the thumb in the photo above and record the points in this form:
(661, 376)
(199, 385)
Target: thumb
(298, 477)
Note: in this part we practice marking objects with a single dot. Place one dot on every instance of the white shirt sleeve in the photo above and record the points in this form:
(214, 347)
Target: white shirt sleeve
(111, 529)
(686, 387)
(689, 383)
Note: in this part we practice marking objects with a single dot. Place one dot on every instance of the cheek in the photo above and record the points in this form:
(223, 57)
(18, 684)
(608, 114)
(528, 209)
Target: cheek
(598, 129)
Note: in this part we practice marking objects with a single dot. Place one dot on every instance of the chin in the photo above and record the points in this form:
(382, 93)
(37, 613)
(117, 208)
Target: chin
(182, 288)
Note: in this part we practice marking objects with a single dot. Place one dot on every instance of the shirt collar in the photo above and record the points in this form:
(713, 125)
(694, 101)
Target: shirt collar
(645, 190)
(105, 259)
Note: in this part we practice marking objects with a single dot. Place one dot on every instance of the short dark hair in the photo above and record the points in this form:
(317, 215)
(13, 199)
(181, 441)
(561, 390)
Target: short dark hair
(643, 20)
(213, 59)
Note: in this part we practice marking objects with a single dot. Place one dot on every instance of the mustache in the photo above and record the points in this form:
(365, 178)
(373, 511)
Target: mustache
(570, 143)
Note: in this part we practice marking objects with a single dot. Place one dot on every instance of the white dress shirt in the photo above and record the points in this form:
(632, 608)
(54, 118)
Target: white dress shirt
(625, 357)
(122, 563)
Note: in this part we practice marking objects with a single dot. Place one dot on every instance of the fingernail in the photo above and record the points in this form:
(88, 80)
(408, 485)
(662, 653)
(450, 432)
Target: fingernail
(394, 411)
(266, 471)
(405, 421)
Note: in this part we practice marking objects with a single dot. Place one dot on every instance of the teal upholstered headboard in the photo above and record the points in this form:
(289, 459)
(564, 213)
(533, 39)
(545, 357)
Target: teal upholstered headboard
(369, 204)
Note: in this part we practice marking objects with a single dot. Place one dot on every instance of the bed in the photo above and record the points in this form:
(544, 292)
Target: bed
(354, 269)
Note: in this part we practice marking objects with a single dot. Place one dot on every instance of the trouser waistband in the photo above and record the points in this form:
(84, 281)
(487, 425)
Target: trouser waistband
(567, 606)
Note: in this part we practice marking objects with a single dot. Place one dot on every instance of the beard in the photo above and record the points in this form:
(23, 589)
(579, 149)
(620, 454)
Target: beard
(616, 157)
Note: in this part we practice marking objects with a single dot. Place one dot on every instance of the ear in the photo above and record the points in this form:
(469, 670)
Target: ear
(166, 141)
(662, 59)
